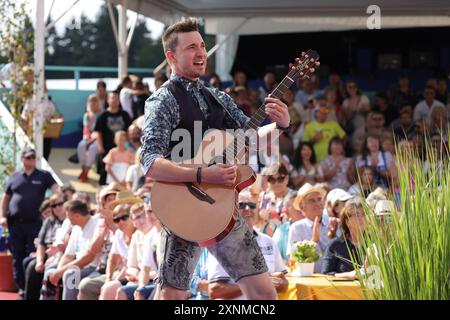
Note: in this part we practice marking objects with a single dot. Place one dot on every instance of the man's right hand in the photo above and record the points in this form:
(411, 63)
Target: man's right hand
(318, 136)
(316, 230)
(220, 174)
(4, 222)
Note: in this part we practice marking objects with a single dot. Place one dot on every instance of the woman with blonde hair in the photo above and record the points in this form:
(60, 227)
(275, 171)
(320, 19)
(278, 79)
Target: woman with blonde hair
(87, 149)
(118, 159)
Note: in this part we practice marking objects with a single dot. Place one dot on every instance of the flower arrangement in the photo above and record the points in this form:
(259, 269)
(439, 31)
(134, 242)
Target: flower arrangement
(305, 252)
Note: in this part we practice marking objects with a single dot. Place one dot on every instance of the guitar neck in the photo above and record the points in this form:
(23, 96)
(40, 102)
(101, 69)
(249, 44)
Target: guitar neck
(237, 149)
(259, 116)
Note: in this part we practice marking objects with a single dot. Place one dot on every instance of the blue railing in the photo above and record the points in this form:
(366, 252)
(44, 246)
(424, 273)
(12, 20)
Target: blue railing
(78, 69)
(90, 69)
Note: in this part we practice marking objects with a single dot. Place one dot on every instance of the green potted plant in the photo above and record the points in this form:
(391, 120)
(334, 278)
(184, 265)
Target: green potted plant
(305, 255)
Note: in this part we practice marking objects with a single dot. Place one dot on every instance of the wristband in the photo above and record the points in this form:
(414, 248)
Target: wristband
(199, 175)
(284, 129)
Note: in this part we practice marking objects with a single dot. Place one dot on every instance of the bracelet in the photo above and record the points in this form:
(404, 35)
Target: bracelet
(199, 175)
(284, 129)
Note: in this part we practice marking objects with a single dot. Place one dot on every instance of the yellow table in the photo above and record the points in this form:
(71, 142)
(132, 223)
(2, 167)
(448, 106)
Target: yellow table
(321, 287)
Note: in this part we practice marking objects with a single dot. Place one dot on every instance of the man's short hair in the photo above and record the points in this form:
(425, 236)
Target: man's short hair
(67, 187)
(170, 37)
(428, 87)
(126, 80)
(77, 206)
(405, 106)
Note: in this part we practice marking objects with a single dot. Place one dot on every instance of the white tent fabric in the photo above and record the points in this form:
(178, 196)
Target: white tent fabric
(288, 16)
(271, 25)
(294, 15)
(225, 55)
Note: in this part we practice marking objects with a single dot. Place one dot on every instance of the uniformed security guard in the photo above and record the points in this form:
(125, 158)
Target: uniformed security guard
(25, 191)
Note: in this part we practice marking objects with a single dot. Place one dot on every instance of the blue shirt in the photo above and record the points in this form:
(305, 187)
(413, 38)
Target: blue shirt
(200, 273)
(280, 236)
(27, 193)
(338, 256)
(162, 116)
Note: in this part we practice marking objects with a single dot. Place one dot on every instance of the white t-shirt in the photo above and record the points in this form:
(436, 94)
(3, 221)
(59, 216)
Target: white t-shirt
(384, 161)
(126, 101)
(80, 239)
(48, 108)
(134, 173)
(151, 249)
(119, 246)
(66, 228)
(271, 254)
(135, 253)
(422, 111)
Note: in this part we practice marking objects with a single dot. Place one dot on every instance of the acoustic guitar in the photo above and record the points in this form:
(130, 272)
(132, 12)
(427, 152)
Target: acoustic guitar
(206, 213)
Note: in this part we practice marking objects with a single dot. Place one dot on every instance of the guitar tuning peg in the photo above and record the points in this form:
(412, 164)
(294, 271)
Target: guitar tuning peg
(312, 70)
(306, 56)
(303, 53)
(317, 63)
(301, 73)
(312, 60)
(297, 59)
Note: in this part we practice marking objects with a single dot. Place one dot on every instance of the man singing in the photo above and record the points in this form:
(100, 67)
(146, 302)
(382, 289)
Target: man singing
(176, 105)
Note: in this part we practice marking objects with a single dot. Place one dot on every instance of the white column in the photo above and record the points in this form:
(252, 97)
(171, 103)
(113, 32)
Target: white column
(226, 52)
(39, 62)
(123, 52)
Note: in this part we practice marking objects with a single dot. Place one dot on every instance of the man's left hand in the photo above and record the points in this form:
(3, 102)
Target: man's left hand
(277, 111)
(54, 277)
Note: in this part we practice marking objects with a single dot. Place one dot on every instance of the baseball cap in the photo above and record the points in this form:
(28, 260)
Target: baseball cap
(384, 207)
(28, 151)
(338, 195)
(321, 108)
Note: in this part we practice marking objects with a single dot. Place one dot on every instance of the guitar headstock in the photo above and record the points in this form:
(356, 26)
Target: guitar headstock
(305, 65)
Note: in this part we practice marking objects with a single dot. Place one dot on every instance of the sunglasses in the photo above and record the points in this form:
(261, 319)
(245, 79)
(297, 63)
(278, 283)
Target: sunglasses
(385, 219)
(243, 205)
(123, 218)
(55, 205)
(272, 179)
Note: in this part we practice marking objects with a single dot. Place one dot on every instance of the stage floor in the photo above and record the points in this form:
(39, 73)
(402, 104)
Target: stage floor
(68, 172)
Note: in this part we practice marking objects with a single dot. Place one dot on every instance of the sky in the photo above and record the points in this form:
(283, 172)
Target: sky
(89, 7)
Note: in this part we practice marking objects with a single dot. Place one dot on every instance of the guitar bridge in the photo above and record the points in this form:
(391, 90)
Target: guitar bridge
(199, 193)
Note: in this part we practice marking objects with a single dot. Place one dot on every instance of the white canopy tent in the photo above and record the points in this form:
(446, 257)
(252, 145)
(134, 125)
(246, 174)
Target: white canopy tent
(227, 19)
(230, 18)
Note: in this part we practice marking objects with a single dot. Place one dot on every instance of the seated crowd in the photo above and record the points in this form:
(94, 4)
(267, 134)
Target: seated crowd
(338, 153)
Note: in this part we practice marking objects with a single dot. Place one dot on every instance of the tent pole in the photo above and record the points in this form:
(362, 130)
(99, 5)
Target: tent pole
(38, 98)
(123, 53)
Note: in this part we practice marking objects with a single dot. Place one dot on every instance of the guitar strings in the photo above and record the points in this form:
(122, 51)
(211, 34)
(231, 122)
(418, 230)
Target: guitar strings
(292, 74)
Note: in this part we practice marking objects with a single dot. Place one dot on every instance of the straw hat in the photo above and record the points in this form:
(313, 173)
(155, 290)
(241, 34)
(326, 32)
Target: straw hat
(124, 197)
(106, 191)
(306, 190)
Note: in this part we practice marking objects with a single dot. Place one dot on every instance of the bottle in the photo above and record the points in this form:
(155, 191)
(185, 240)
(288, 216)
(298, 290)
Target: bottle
(4, 239)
